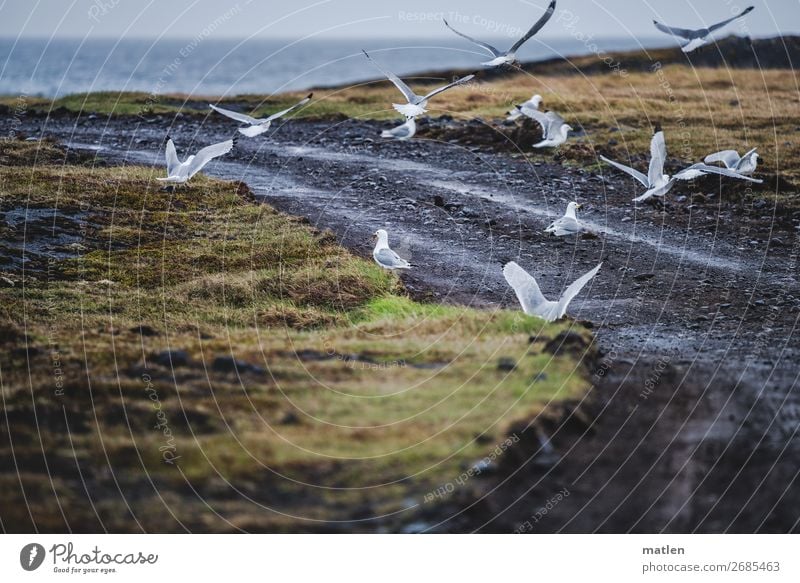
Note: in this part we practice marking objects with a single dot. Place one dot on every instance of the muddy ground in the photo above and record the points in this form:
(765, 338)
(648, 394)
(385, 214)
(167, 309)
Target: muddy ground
(691, 424)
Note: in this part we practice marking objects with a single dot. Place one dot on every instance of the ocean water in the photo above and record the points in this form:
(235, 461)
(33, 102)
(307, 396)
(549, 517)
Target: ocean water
(38, 67)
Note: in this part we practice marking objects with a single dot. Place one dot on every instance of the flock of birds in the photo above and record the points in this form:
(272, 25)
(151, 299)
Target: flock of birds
(555, 131)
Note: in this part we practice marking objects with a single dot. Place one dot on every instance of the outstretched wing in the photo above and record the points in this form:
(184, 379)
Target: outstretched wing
(658, 155)
(574, 289)
(492, 50)
(719, 25)
(240, 117)
(301, 103)
(699, 169)
(554, 123)
(628, 170)
(728, 157)
(536, 27)
(536, 115)
(686, 33)
(461, 81)
(172, 158)
(404, 89)
(524, 285)
(207, 154)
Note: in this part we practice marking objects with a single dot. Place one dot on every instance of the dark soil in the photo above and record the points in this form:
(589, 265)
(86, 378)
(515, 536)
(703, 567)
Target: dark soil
(692, 421)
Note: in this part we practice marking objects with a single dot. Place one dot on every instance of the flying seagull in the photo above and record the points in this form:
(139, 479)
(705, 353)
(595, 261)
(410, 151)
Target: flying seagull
(404, 131)
(384, 256)
(258, 126)
(656, 182)
(533, 103)
(180, 172)
(416, 103)
(509, 57)
(745, 165)
(697, 38)
(531, 298)
(554, 129)
(566, 225)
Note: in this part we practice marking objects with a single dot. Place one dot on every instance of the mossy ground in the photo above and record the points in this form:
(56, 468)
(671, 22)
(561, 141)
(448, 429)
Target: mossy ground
(293, 381)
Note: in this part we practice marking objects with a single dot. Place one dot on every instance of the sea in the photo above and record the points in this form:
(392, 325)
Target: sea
(225, 67)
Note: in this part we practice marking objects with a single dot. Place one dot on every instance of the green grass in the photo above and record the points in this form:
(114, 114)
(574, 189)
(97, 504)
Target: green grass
(388, 398)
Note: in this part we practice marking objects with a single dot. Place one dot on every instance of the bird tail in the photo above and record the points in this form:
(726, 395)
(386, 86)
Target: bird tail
(254, 131)
(409, 109)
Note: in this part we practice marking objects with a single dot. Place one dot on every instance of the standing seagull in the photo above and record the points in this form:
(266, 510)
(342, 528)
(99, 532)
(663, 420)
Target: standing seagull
(531, 298)
(533, 103)
(180, 172)
(697, 38)
(555, 130)
(258, 126)
(404, 131)
(416, 103)
(745, 165)
(384, 256)
(566, 225)
(658, 183)
(508, 57)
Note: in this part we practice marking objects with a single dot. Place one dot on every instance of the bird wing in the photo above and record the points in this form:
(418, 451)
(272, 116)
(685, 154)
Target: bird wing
(404, 89)
(692, 172)
(536, 115)
(686, 33)
(492, 50)
(536, 27)
(172, 158)
(728, 157)
(300, 103)
(719, 25)
(207, 154)
(554, 123)
(628, 170)
(461, 81)
(389, 258)
(524, 285)
(241, 117)
(574, 289)
(658, 155)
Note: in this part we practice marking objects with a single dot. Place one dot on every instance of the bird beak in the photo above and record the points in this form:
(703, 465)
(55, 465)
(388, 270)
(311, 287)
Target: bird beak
(578, 206)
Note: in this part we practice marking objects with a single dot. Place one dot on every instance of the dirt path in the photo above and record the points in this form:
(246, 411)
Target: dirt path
(696, 308)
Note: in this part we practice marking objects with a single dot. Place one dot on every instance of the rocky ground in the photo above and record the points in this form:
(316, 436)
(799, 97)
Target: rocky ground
(692, 421)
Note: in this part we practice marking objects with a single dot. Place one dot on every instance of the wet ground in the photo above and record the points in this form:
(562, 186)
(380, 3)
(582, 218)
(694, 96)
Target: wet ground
(692, 421)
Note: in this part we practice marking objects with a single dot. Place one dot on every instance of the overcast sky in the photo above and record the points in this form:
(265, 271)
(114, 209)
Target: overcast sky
(378, 18)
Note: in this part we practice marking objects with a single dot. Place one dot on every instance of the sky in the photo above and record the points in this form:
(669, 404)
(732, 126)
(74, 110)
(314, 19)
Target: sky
(379, 18)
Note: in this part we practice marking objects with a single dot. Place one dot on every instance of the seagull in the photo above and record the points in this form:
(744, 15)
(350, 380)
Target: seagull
(531, 298)
(258, 126)
(384, 256)
(509, 57)
(697, 38)
(180, 172)
(533, 103)
(416, 103)
(745, 165)
(555, 129)
(658, 183)
(566, 225)
(404, 131)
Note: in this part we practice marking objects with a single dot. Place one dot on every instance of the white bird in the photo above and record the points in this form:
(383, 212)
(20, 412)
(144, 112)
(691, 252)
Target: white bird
(568, 224)
(258, 126)
(530, 296)
(416, 103)
(656, 182)
(404, 131)
(697, 38)
(554, 129)
(508, 57)
(533, 103)
(180, 172)
(384, 256)
(745, 165)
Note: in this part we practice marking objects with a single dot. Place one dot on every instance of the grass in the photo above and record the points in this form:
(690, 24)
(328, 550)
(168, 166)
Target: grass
(346, 398)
